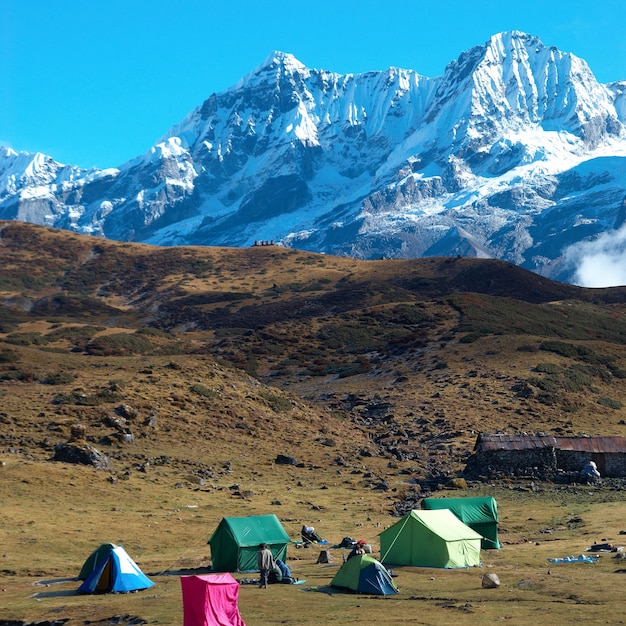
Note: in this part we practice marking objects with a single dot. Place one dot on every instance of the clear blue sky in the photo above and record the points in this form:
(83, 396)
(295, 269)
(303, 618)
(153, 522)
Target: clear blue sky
(97, 82)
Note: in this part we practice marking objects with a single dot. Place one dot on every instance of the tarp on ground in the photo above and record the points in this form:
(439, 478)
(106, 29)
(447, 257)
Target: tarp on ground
(480, 514)
(430, 539)
(211, 600)
(364, 574)
(235, 542)
(115, 573)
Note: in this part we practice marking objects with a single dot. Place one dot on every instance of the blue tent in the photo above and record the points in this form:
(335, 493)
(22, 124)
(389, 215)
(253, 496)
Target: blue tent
(364, 574)
(115, 572)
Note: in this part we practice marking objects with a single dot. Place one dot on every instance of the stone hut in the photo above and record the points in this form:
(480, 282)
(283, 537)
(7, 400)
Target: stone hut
(608, 453)
(545, 456)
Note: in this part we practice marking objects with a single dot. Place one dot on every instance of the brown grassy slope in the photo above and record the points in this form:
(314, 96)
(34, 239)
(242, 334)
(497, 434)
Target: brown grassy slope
(422, 354)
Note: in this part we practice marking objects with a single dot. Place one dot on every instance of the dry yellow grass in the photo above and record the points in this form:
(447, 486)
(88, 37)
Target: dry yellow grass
(55, 514)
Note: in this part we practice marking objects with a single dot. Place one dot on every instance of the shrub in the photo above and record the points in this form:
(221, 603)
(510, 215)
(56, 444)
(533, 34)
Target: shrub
(346, 370)
(278, 404)
(610, 403)
(59, 378)
(548, 399)
(353, 338)
(582, 353)
(527, 348)
(73, 333)
(471, 337)
(576, 380)
(25, 376)
(8, 356)
(545, 384)
(155, 332)
(119, 344)
(547, 368)
(203, 391)
(457, 483)
(252, 367)
(79, 398)
(26, 339)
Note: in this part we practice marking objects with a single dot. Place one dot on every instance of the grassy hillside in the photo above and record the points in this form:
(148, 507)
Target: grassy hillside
(192, 369)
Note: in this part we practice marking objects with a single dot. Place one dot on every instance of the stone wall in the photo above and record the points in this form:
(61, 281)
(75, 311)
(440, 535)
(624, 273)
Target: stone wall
(540, 462)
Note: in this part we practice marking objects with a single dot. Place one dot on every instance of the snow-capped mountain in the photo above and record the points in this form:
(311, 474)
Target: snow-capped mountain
(515, 152)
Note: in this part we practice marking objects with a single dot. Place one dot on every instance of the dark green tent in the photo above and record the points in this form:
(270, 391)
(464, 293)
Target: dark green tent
(236, 540)
(480, 514)
(95, 558)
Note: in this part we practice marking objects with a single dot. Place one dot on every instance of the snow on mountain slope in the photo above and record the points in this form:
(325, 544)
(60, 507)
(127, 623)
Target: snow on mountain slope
(515, 152)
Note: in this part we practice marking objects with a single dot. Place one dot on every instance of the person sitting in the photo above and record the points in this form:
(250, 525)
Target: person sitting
(285, 574)
(275, 575)
(308, 534)
(359, 548)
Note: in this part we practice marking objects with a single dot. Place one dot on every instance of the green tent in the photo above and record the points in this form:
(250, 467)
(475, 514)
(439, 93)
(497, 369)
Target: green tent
(480, 514)
(364, 574)
(430, 539)
(236, 540)
(95, 558)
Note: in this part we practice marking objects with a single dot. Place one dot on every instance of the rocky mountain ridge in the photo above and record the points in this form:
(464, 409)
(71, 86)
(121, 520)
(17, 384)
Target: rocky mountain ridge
(516, 152)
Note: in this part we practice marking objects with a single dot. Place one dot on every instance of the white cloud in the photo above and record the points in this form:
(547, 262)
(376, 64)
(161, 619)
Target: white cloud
(601, 262)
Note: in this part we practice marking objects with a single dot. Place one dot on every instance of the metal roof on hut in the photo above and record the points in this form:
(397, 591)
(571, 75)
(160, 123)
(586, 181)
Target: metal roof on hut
(487, 442)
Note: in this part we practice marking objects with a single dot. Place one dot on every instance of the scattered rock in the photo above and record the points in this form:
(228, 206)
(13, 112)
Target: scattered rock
(283, 459)
(490, 581)
(118, 620)
(127, 412)
(78, 432)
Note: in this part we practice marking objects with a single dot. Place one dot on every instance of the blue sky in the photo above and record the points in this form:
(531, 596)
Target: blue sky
(97, 82)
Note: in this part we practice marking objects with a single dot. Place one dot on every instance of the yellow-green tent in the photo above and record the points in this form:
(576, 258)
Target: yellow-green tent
(430, 539)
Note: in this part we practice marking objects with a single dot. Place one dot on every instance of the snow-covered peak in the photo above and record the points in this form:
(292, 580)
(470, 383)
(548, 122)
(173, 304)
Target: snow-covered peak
(514, 80)
(5, 152)
(284, 60)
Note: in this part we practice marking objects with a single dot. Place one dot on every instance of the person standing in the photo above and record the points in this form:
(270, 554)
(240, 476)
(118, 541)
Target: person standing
(265, 562)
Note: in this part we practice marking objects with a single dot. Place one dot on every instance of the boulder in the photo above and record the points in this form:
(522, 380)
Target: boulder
(283, 459)
(82, 454)
(491, 581)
